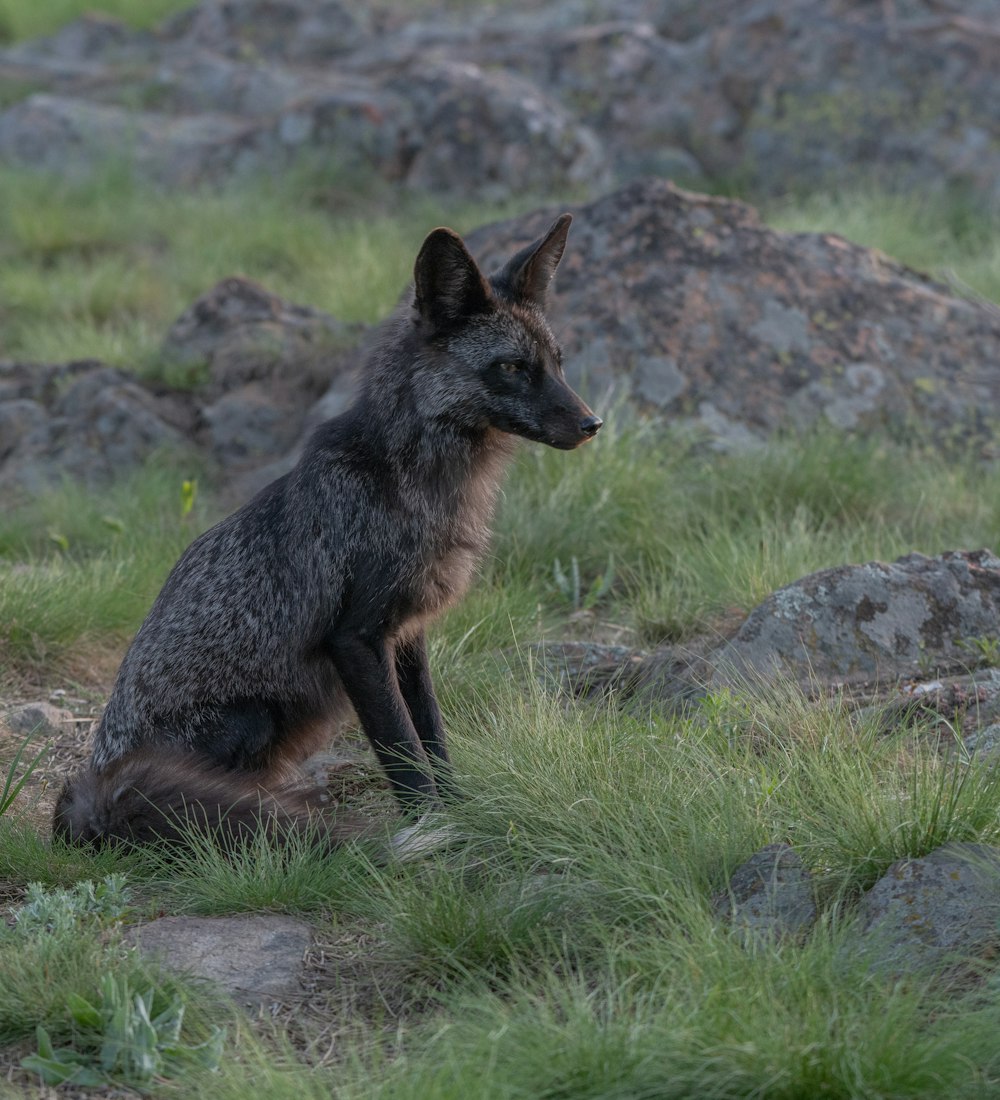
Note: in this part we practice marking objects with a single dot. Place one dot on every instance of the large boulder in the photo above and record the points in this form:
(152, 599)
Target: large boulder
(708, 316)
(778, 94)
(873, 622)
(493, 134)
(69, 135)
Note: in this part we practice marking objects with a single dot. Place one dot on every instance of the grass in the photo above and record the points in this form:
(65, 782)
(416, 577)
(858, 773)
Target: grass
(568, 950)
(20, 19)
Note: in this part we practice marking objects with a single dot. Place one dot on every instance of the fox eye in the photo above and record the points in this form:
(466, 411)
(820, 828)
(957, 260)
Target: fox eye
(511, 366)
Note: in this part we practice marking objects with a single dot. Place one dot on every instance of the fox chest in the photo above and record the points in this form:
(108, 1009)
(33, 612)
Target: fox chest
(439, 568)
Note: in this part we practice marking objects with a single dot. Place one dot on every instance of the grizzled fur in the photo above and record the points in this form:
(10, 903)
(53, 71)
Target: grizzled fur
(317, 592)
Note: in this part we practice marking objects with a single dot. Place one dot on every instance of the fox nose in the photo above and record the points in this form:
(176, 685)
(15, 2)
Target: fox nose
(590, 425)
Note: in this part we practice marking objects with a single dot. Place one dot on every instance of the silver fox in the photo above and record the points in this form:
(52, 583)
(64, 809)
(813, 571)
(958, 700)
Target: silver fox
(318, 591)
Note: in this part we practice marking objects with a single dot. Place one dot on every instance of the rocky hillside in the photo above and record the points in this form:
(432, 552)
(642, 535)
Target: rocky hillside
(775, 94)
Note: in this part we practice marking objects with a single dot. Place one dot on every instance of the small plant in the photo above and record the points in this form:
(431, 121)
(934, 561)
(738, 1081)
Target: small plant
(59, 540)
(127, 1038)
(13, 783)
(62, 910)
(984, 649)
(189, 491)
(570, 586)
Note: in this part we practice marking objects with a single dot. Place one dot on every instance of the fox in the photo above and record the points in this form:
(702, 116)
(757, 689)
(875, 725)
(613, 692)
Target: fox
(315, 596)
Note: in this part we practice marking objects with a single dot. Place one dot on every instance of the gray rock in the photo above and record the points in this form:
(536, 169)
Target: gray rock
(868, 622)
(983, 742)
(249, 425)
(584, 669)
(96, 423)
(925, 914)
(72, 136)
(40, 719)
(268, 362)
(770, 896)
(187, 82)
(254, 959)
(310, 31)
(94, 37)
(493, 134)
(243, 333)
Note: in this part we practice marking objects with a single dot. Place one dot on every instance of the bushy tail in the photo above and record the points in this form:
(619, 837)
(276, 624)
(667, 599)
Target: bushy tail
(159, 795)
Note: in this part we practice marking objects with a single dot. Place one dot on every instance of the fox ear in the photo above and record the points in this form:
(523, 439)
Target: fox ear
(449, 286)
(529, 272)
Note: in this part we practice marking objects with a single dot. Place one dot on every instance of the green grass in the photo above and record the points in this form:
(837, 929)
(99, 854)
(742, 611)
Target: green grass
(28, 19)
(568, 949)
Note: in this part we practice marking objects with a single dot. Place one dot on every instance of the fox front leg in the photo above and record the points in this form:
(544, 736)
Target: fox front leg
(414, 674)
(367, 669)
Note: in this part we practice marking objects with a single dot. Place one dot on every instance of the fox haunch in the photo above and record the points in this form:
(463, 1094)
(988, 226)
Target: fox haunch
(317, 592)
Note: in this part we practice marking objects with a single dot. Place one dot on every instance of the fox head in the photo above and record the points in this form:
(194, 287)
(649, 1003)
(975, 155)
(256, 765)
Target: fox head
(489, 358)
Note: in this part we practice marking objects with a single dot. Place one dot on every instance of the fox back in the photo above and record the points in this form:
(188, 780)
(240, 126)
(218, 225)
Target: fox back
(316, 593)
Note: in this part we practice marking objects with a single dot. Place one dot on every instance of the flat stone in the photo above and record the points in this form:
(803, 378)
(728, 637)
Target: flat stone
(253, 958)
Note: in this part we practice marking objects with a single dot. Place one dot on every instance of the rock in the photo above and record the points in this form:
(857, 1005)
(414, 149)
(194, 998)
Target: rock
(770, 896)
(924, 914)
(876, 621)
(311, 31)
(983, 742)
(94, 37)
(84, 420)
(254, 959)
(493, 134)
(584, 669)
(967, 705)
(243, 333)
(708, 317)
(780, 94)
(192, 81)
(72, 136)
(40, 719)
(268, 362)
(831, 96)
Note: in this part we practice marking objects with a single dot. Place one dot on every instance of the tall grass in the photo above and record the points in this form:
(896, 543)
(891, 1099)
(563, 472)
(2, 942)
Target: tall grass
(568, 949)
